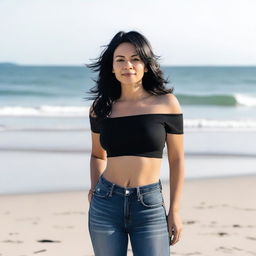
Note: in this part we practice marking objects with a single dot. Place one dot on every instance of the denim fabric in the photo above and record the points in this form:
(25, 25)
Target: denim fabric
(116, 212)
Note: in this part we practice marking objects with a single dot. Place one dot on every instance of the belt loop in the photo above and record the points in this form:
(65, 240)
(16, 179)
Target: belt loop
(111, 190)
(138, 193)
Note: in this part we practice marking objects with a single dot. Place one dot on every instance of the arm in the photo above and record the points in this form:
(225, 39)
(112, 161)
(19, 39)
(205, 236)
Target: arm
(98, 157)
(176, 173)
(175, 150)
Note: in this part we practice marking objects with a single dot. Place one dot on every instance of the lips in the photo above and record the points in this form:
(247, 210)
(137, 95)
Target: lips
(128, 74)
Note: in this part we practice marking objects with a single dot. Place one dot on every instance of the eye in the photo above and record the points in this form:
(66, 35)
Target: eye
(136, 59)
(119, 60)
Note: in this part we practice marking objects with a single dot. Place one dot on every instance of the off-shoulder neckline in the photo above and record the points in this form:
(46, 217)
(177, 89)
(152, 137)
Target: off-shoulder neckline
(146, 114)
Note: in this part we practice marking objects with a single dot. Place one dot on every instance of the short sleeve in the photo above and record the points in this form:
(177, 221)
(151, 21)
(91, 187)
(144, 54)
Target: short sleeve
(94, 124)
(174, 123)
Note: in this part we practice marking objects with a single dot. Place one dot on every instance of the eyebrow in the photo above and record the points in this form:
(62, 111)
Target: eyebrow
(124, 56)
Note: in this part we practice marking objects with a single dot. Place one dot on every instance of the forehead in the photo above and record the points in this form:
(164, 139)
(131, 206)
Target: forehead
(125, 49)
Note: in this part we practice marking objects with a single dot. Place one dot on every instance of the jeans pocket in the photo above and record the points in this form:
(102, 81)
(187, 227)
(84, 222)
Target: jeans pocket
(101, 191)
(152, 199)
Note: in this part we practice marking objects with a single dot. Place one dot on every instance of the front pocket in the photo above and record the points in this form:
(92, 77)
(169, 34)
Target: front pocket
(152, 199)
(101, 191)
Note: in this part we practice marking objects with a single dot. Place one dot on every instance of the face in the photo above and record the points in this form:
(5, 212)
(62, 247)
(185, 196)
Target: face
(127, 64)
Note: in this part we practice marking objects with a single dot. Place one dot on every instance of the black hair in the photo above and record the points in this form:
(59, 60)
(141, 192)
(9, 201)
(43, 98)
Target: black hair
(108, 88)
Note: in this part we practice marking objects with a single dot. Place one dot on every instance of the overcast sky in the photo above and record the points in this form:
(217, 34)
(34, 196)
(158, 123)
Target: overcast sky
(183, 32)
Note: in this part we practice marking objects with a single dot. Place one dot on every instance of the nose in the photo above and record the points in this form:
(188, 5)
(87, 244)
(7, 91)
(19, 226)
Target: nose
(128, 65)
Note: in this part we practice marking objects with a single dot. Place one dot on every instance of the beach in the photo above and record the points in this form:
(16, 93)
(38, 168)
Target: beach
(218, 219)
(45, 145)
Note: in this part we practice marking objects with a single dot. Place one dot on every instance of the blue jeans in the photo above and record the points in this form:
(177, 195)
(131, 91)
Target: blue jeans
(117, 211)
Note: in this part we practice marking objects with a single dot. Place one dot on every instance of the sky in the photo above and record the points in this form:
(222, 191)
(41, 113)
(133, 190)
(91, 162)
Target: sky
(182, 32)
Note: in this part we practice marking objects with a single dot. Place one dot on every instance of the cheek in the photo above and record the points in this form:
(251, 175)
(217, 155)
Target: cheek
(116, 68)
(140, 67)
(117, 73)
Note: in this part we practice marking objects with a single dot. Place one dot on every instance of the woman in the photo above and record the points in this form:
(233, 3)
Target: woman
(131, 118)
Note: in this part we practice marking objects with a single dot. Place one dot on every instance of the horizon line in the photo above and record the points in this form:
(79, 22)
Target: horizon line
(163, 65)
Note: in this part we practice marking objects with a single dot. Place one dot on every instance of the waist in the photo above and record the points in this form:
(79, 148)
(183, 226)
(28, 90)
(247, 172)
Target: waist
(132, 171)
(128, 190)
(135, 163)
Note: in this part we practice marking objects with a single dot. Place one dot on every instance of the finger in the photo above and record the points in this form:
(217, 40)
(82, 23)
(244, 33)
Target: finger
(175, 236)
(173, 240)
(172, 236)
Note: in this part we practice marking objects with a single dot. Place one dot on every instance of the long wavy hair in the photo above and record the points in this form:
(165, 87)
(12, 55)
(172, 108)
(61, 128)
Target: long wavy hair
(108, 88)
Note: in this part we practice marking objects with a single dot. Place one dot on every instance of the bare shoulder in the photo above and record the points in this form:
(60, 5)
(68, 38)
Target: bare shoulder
(171, 103)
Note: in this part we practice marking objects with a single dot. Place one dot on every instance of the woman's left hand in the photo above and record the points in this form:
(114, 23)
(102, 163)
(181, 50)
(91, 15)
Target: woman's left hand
(175, 226)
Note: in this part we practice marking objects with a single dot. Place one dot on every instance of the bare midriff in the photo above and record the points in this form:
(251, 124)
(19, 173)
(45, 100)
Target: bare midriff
(132, 171)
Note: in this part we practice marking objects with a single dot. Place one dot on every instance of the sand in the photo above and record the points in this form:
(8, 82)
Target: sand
(219, 218)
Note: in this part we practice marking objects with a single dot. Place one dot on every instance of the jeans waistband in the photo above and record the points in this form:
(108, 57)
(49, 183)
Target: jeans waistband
(128, 190)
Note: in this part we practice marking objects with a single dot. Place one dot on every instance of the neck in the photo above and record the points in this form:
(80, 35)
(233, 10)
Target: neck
(133, 92)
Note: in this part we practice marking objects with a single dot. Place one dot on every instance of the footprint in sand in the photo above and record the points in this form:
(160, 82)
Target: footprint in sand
(237, 249)
(219, 234)
(48, 241)
(251, 238)
(12, 241)
(44, 250)
(236, 226)
(244, 209)
(13, 233)
(203, 205)
(229, 250)
(222, 233)
(189, 222)
(224, 249)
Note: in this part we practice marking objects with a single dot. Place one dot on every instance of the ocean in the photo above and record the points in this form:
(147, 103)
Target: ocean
(211, 97)
(43, 113)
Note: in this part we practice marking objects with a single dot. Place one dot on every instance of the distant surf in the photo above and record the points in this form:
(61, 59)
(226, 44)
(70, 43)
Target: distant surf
(44, 111)
(185, 99)
(218, 99)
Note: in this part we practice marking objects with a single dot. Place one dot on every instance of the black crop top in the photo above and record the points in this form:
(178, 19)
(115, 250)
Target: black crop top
(136, 135)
